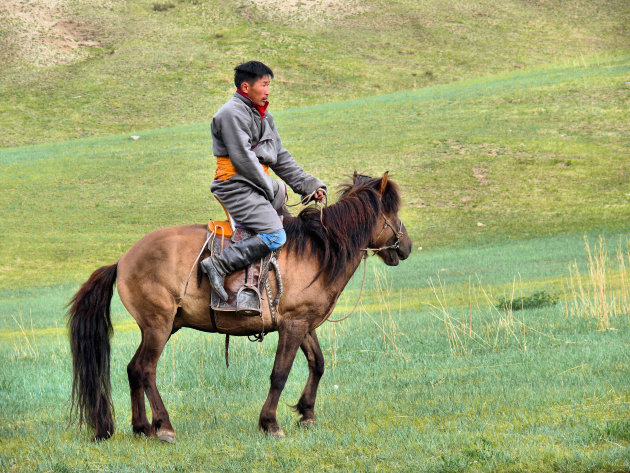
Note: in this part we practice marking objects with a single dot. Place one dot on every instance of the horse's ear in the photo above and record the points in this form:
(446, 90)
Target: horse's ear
(384, 183)
(354, 177)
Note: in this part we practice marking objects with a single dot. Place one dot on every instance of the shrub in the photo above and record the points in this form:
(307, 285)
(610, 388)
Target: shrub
(532, 301)
(163, 6)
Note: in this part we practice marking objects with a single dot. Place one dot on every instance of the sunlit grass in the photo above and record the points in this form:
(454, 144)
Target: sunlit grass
(154, 69)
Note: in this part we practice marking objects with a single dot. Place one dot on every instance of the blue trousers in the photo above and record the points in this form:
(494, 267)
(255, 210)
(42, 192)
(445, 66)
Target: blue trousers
(274, 240)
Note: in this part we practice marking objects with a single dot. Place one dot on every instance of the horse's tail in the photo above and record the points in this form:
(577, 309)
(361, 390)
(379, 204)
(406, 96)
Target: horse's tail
(91, 328)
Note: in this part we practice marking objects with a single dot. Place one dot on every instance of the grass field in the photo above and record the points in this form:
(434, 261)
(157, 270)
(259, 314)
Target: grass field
(500, 345)
(550, 396)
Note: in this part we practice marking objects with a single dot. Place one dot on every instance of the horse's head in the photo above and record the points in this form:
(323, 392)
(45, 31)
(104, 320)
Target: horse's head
(364, 217)
(390, 239)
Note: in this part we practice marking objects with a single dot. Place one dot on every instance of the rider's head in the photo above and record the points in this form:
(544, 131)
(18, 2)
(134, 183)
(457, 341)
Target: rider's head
(253, 78)
(250, 71)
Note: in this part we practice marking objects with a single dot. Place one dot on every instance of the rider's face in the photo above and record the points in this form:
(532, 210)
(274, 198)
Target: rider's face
(258, 92)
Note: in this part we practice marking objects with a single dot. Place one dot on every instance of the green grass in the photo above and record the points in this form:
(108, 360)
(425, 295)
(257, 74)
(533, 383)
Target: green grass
(153, 69)
(530, 153)
(393, 396)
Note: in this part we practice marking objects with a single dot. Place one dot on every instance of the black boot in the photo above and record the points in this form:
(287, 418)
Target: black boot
(238, 256)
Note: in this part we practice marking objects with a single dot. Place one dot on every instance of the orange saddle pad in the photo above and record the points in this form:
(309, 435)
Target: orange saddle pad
(221, 227)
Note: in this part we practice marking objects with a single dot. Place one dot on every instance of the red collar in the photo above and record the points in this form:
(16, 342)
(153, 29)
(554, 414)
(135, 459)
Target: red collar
(262, 110)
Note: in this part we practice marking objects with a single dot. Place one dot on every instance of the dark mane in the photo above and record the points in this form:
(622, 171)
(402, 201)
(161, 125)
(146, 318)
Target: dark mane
(348, 223)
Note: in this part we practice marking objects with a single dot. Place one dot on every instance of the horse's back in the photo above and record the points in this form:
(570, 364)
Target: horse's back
(154, 271)
(166, 248)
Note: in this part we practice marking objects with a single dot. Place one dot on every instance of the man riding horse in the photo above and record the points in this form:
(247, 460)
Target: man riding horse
(246, 144)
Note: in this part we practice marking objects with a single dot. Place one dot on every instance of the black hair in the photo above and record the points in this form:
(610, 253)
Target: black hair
(250, 71)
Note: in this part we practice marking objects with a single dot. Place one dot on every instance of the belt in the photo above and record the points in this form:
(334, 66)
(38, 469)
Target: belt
(225, 169)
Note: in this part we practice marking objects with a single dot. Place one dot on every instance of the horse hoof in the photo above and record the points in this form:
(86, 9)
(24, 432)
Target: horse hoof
(307, 423)
(279, 434)
(166, 436)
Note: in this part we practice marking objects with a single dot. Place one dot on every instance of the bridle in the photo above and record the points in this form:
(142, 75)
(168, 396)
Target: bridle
(397, 233)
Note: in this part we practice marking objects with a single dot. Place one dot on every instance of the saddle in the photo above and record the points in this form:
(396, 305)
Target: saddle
(254, 277)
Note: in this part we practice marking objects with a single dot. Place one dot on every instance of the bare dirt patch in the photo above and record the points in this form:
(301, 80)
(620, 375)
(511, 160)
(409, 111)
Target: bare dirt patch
(41, 33)
(481, 174)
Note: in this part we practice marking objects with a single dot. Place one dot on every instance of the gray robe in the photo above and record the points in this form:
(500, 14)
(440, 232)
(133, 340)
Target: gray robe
(251, 197)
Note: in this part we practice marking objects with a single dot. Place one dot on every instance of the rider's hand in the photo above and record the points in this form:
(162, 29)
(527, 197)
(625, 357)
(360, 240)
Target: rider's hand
(319, 195)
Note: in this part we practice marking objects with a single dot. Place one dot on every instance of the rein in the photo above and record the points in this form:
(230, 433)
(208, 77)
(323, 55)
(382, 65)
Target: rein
(364, 257)
(307, 199)
(203, 247)
(304, 201)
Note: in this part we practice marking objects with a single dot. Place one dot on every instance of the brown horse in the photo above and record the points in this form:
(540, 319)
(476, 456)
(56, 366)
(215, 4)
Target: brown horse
(323, 251)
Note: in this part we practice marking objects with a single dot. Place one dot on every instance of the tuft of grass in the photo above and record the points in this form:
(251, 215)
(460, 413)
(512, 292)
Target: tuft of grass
(161, 7)
(26, 345)
(604, 292)
(391, 337)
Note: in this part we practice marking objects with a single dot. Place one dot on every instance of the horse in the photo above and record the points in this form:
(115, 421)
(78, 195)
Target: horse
(323, 250)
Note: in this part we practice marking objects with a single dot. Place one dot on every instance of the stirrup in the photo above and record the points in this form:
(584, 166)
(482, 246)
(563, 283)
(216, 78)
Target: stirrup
(248, 301)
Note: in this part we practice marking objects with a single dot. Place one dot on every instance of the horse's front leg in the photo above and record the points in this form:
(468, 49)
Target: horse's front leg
(306, 405)
(290, 337)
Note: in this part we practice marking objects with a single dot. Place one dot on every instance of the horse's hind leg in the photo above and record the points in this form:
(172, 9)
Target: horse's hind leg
(153, 342)
(154, 312)
(139, 421)
(306, 405)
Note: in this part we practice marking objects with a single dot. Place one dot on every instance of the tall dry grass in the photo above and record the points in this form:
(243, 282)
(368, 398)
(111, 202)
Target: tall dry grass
(603, 292)
(478, 322)
(390, 335)
(25, 346)
(380, 314)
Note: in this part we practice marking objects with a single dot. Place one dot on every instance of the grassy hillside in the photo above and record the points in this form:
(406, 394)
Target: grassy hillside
(528, 153)
(77, 68)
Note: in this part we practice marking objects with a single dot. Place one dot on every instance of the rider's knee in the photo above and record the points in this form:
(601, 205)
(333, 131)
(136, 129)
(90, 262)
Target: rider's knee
(275, 239)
